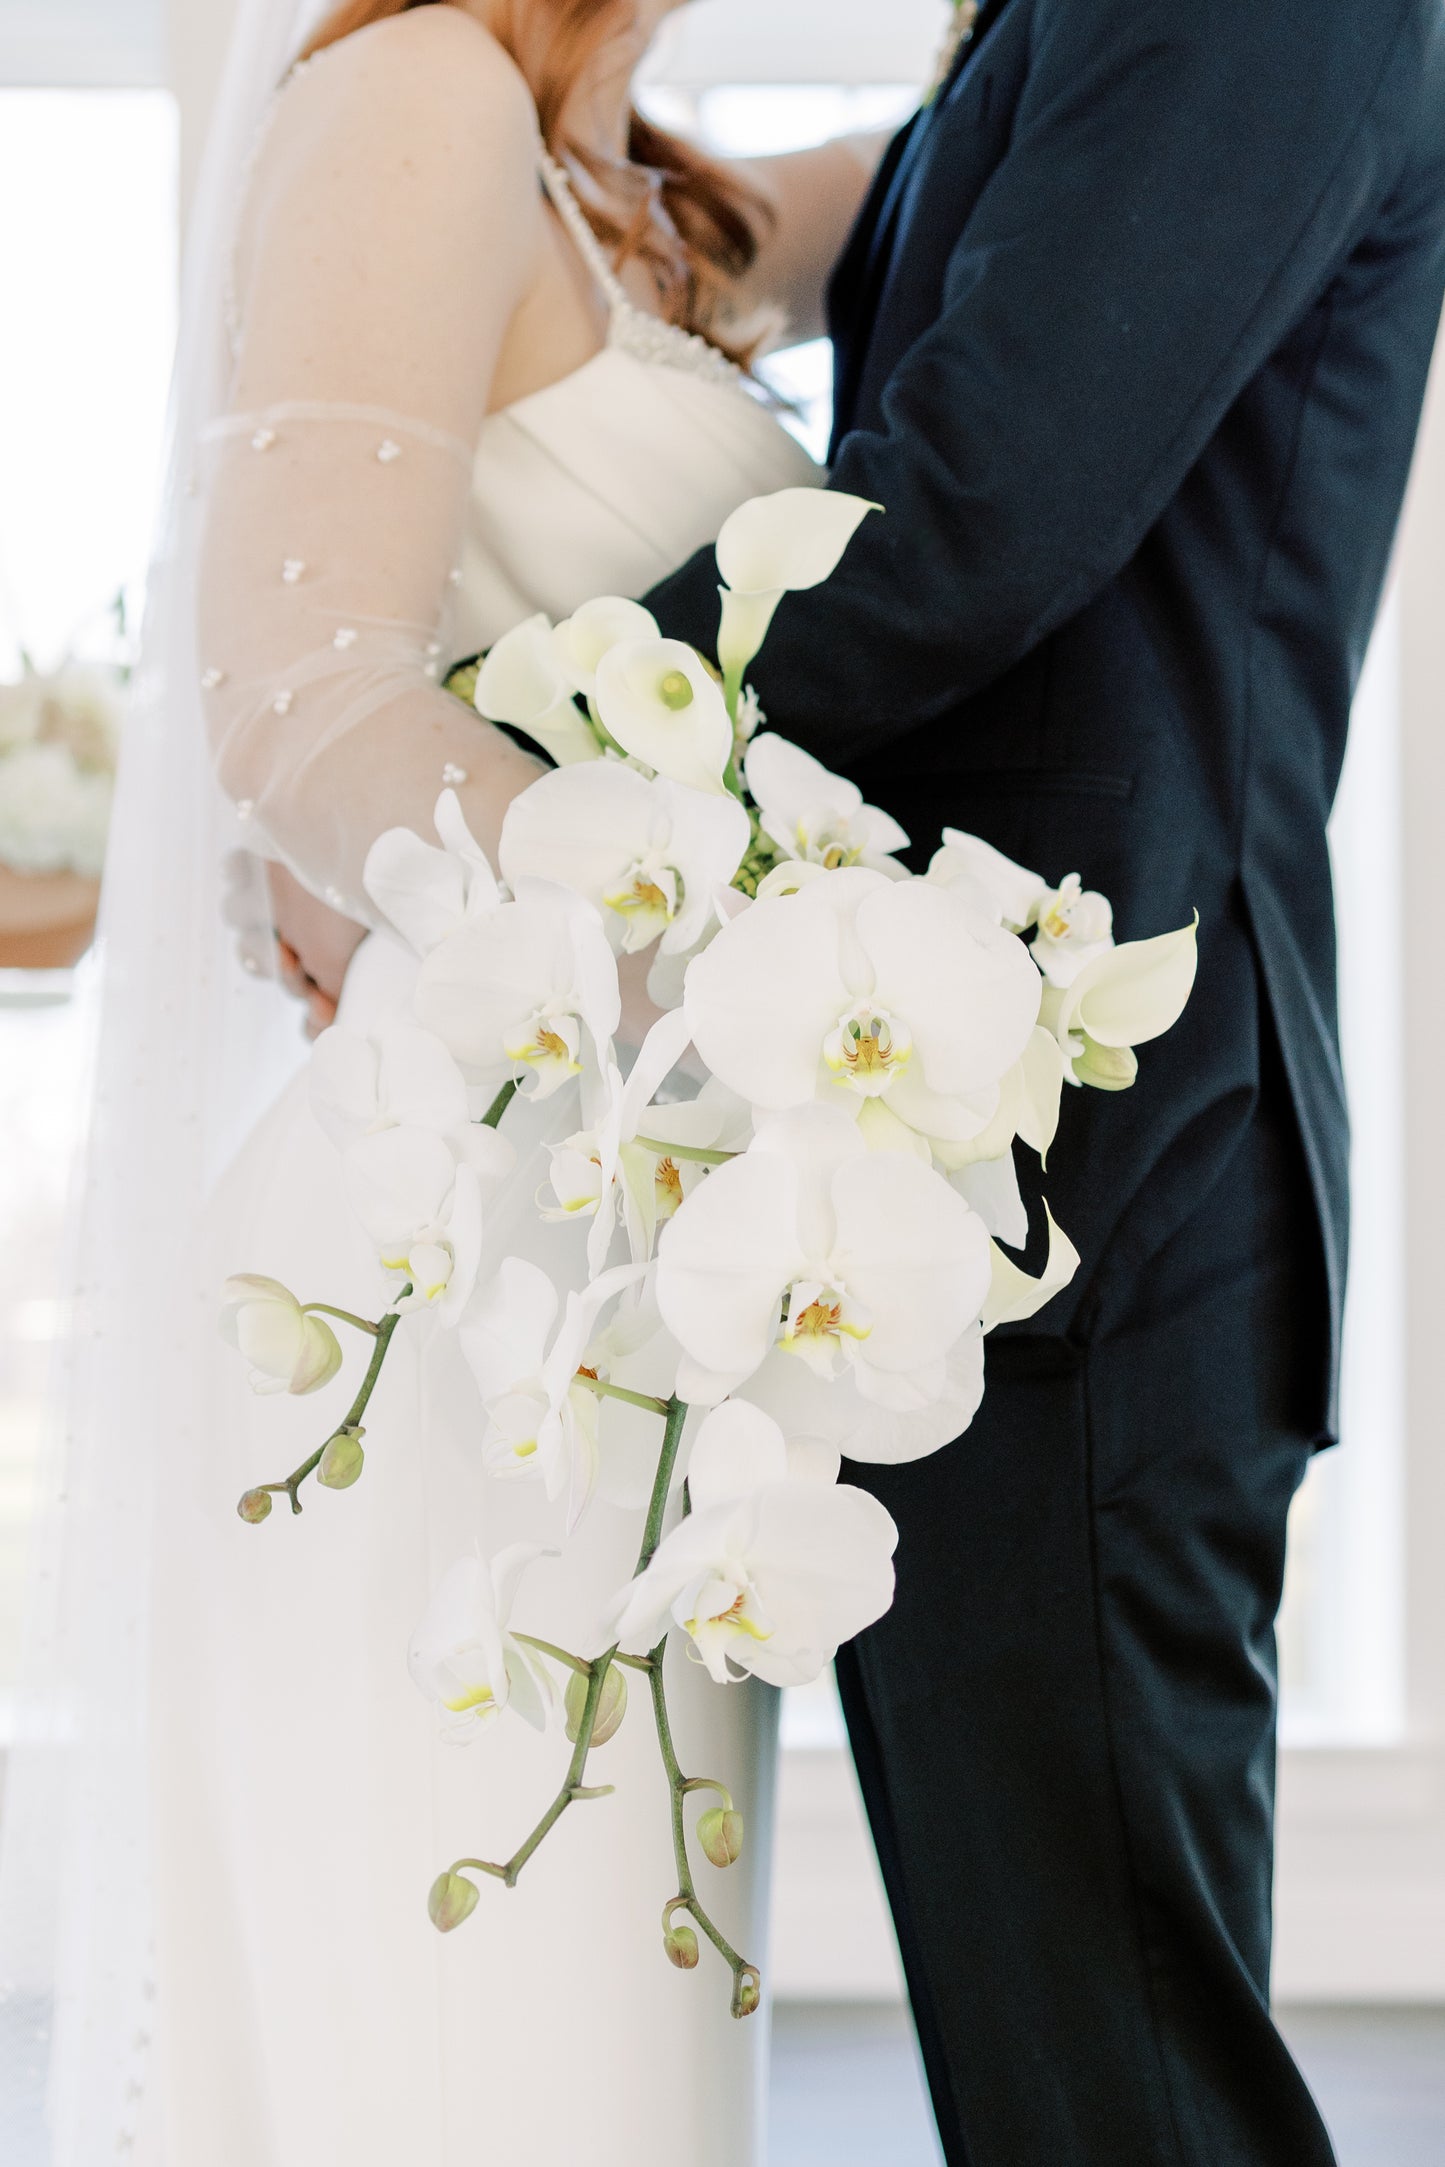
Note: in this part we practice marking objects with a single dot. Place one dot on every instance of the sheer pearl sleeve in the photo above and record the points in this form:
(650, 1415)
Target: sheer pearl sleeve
(386, 246)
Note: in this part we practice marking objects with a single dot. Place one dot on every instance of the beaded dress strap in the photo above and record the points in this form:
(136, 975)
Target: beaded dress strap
(635, 330)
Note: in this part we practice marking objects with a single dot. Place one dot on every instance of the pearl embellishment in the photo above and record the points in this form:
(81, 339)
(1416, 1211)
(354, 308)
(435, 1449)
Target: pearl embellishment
(263, 440)
(293, 570)
(452, 774)
(281, 705)
(212, 679)
(387, 452)
(345, 637)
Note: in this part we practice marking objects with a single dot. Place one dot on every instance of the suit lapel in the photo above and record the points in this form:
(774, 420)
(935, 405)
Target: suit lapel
(858, 281)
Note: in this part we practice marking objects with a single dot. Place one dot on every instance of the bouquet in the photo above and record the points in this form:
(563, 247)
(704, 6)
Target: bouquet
(788, 1256)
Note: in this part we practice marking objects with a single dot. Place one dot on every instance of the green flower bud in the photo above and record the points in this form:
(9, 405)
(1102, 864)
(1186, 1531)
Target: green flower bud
(675, 691)
(720, 1832)
(680, 1943)
(1106, 1068)
(342, 1461)
(453, 1899)
(611, 1706)
(748, 1995)
(255, 1507)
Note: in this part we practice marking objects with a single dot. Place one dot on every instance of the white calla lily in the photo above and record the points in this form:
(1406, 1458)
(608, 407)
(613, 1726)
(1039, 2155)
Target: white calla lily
(427, 893)
(1013, 1296)
(659, 702)
(542, 1419)
(647, 854)
(531, 991)
(465, 1659)
(774, 1568)
(1122, 999)
(849, 1260)
(814, 815)
(864, 986)
(772, 546)
(285, 1349)
(524, 683)
(582, 640)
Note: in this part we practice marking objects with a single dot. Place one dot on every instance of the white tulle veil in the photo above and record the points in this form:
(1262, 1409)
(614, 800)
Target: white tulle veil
(190, 1050)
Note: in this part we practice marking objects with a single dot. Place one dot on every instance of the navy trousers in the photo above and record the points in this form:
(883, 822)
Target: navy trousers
(1065, 1728)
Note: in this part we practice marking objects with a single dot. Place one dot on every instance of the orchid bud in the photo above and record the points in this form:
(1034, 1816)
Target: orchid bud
(749, 1994)
(720, 1832)
(342, 1461)
(255, 1507)
(611, 1705)
(680, 1942)
(453, 1899)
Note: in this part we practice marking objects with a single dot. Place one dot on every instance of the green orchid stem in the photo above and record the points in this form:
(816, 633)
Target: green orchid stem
(694, 1154)
(492, 1118)
(747, 1980)
(344, 1316)
(558, 1655)
(573, 1789)
(709, 1783)
(385, 1331)
(603, 1391)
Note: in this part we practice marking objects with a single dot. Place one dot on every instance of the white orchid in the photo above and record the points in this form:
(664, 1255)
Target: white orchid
(1074, 924)
(1121, 999)
(772, 546)
(864, 986)
(524, 681)
(531, 990)
(285, 1349)
(603, 1169)
(660, 703)
(646, 854)
(773, 1568)
(848, 1260)
(813, 814)
(427, 893)
(465, 1659)
(542, 1417)
(416, 1165)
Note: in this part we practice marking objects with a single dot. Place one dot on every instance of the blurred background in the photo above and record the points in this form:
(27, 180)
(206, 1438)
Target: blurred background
(103, 112)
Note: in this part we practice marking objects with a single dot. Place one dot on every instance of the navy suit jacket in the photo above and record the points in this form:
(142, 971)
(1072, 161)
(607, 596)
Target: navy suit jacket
(1131, 344)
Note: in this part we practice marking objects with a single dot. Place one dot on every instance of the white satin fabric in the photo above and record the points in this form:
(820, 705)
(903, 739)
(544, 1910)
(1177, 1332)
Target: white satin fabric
(307, 2015)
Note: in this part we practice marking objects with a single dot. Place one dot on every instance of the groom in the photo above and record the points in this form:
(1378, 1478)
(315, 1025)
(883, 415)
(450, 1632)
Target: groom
(1131, 343)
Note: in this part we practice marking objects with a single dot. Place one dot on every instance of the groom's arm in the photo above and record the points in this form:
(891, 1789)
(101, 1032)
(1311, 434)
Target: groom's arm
(1180, 186)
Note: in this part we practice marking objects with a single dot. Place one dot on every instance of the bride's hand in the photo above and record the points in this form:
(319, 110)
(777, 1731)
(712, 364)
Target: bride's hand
(315, 945)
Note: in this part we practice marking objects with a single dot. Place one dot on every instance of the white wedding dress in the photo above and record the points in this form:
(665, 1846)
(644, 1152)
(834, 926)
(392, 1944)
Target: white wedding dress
(306, 2012)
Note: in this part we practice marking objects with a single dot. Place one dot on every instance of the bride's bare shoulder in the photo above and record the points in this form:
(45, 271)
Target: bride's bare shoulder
(430, 85)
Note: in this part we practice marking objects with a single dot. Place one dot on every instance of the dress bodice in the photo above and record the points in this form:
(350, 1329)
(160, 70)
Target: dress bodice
(609, 479)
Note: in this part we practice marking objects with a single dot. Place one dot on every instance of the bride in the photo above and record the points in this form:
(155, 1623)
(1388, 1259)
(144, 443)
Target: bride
(489, 335)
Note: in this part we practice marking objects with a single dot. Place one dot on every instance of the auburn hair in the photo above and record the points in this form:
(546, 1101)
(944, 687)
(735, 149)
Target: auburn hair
(693, 222)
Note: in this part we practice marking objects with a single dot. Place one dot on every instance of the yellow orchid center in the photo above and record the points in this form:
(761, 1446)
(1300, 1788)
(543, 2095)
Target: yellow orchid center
(868, 1049)
(819, 1324)
(668, 1183)
(480, 1696)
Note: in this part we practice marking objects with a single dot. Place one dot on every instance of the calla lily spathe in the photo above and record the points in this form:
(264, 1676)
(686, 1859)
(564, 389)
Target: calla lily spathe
(860, 986)
(463, 1656)
(772, 546)
(582, 640)
(285, 1349)
(815, 815)
(775, 1566)
(848, 1260)
(660, 703)
(647, 854)
(525, 682)
(1122, 999)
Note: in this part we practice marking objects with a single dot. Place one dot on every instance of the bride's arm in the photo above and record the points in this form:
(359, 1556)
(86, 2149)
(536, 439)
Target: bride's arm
(813, 197)
(391, 234)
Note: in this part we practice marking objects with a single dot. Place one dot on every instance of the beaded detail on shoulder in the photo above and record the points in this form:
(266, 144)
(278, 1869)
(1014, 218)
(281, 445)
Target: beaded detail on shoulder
(634, 330)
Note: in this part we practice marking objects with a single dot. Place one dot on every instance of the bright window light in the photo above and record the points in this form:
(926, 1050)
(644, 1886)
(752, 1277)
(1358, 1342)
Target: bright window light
(88, 275)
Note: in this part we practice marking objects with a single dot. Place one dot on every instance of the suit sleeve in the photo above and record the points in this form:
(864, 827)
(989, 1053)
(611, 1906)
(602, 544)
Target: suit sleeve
(1179, 187)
